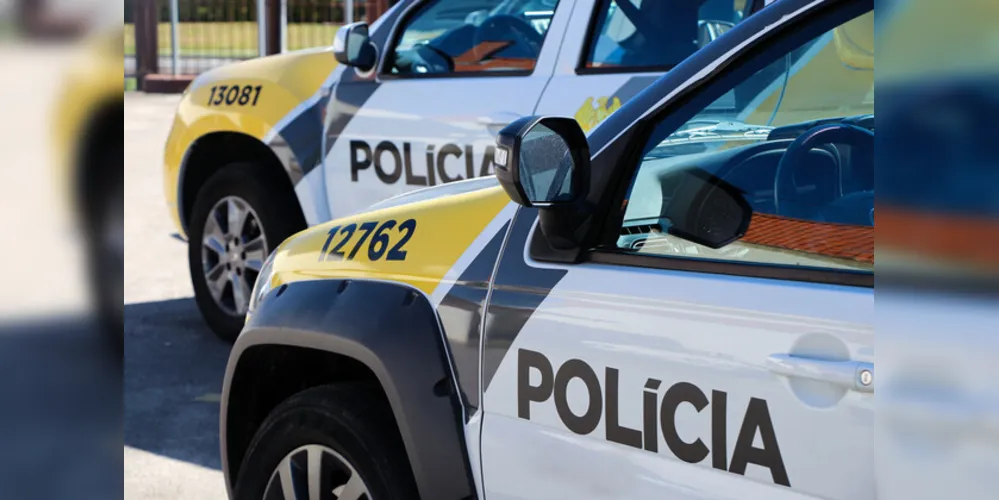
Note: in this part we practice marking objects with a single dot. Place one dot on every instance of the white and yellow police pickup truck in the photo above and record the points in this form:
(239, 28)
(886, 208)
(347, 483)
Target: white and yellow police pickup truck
(267, 147)
(678, 305)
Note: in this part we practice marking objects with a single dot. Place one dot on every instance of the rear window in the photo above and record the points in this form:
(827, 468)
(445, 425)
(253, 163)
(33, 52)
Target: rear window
(657, 34)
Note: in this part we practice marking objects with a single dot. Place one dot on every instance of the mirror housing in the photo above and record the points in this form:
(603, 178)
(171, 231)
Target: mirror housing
(353, 47)
(544, 162)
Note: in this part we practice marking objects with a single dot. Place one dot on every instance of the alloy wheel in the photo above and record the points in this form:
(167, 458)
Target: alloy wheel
(233, 251)
(314, 472)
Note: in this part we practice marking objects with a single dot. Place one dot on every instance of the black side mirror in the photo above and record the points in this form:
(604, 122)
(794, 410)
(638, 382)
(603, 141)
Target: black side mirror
(707, 210)
(353, 47)
(544, 162)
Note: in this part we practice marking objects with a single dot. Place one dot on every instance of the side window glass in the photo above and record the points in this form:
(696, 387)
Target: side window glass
(658, 34)
(463, 36)
(798, 152)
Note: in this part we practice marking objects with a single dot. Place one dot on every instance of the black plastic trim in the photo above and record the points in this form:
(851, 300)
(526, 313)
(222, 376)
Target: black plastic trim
(743, 269)
(394, 331)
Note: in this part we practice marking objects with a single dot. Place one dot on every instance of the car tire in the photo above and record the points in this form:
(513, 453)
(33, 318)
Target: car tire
(271, 215)
(350, 426)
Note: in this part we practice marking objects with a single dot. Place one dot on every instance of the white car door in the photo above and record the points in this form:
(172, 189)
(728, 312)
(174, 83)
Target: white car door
(662, 368)
(452, 73)
(606, 59)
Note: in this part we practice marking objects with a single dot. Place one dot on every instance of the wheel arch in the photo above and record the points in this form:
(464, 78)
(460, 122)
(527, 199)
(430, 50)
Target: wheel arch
(312, 333)
(212, 151)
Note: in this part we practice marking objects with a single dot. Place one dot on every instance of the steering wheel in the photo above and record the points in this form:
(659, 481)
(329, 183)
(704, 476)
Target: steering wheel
(786, 199)
(507, 28)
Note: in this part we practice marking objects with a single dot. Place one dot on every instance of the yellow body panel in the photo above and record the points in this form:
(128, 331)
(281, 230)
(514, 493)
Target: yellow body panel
(90, 82)
(444, 228)
(285, 81)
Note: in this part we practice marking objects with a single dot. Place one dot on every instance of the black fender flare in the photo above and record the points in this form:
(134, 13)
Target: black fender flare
(395, 332)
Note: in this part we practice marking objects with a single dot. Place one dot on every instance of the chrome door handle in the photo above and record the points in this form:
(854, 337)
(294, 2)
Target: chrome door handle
(853, 375)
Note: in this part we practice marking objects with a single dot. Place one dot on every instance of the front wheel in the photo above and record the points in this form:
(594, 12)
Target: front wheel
(235, 224)
(335, 442)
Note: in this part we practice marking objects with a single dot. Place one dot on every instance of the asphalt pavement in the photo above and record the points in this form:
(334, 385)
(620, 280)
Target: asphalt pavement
(173, 364)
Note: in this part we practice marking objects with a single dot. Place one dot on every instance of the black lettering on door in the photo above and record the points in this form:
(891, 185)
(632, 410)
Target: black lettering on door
(383, 175)
(758, 420)
(411, 178)
(719, 430)
(487, 162)
(682, 392)
(650, 415)
(588, 421)
(469, 162)
(616, 432)
(447, 150)
(358, 164)
(527, 393)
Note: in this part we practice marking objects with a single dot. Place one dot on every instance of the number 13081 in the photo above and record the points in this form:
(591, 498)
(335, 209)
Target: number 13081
(243, 95)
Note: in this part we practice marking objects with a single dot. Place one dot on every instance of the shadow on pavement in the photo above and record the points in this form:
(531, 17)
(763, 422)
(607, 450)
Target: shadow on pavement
(173, 370)
(60, 410)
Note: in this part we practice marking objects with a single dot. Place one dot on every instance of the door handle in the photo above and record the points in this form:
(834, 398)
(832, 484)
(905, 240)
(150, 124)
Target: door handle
(854, 375)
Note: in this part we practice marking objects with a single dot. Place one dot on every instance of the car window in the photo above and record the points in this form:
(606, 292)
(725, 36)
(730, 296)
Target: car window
(472, 36)
(657, 34)
(795, 139)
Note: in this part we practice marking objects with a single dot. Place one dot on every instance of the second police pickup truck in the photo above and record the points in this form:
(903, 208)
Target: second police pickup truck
(264, 148)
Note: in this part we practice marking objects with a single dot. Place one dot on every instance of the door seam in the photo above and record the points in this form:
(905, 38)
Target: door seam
(482, 346)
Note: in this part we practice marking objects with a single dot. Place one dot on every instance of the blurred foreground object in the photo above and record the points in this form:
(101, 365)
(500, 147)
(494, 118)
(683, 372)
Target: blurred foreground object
(88, 147)
(61, 399)
(938, 268)
(38, 20)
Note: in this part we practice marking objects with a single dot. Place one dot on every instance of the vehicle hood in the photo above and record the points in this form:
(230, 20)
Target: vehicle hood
(439, 191)
(415, 243)
(302, 71)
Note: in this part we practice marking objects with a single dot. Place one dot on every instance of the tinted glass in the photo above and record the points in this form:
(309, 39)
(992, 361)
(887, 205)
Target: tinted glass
(473, 36)
(658, 33)
(545, 166)
(796, 139)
